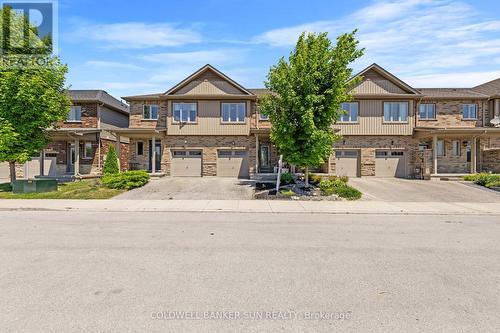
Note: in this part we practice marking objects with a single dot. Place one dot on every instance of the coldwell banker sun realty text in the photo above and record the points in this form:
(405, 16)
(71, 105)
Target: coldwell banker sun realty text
(251, 315)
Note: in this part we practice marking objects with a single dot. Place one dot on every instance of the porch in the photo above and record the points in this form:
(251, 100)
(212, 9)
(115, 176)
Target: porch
(450, 153)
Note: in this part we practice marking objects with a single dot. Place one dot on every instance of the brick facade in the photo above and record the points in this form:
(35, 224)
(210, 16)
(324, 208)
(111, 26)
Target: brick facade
(449, 113)
(88, 119)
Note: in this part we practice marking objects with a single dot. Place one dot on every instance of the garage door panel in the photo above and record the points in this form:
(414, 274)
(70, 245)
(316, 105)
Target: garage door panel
(186, 163)
(390, 164)
(347, 163)
(233, 163)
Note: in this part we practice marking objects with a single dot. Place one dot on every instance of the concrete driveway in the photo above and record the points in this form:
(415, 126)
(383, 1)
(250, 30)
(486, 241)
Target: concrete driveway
(406, 190)
(192, 188)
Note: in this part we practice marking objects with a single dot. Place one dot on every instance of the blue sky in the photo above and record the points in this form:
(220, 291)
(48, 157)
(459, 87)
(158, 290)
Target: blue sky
(136, 47)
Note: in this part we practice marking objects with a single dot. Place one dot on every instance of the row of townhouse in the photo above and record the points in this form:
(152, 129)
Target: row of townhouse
(79, 144)
(209, 125)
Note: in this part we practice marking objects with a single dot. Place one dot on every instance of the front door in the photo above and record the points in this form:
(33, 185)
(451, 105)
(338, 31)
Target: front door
(71, 158)
(265, 158)
(157, 157)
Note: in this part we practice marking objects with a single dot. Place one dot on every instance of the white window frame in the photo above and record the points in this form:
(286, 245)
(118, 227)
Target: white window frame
(440, 148)
(85, 145)
(150, 107)
(182, 111)
(348, 117)
(427, 108)
(75, 114)
(137, 148)
(238, 119)
(388, 107)
(466, 111)
(456, 147)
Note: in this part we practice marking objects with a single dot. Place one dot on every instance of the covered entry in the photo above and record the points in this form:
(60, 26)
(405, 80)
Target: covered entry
(186, 163)
(347, 163)
(232, 163)
(390, 163)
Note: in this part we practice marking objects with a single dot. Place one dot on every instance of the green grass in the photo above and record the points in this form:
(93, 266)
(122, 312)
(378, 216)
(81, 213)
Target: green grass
(85, 189)
(287, 192)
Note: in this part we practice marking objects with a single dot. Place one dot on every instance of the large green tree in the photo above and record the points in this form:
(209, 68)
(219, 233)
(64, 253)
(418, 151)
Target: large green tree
(33, 98)
(306, 96)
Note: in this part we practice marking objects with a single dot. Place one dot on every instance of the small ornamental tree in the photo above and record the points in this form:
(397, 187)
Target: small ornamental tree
(306, 96)
(111, 166)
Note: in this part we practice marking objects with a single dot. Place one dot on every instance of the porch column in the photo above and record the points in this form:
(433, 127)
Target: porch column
(496, 111)
(256, 153)
(153, 155)
(473, 157)
(434, 155)
(118, 150)
(42, 162)
(77, 158)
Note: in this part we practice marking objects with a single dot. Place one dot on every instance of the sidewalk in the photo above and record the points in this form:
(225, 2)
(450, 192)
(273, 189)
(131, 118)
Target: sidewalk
(256, 206)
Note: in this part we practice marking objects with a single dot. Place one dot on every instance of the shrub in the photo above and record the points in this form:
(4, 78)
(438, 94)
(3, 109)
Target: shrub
(287, 192)
(126, 180)
(286, 178)
(495, 183)
(344, 179)
(111, 163)
(483, 178)
(315, 179)
(339, 187)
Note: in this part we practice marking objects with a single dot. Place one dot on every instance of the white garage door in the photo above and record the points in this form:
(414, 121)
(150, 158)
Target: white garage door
(4, 170)
(390, 163)
(347, 163)
(232, 163)
(186, 163)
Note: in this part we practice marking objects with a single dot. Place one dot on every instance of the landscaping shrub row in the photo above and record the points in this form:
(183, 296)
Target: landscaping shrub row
(339, 187)
(126, 180)
(484, 179)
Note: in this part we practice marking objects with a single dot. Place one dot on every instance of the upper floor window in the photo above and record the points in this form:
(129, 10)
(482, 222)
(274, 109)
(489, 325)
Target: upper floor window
(351, 112)
(427, 111)
(469, 111)
(233, 112)
(75, 114)
(396, 111)
(150, 112)
(184, 112)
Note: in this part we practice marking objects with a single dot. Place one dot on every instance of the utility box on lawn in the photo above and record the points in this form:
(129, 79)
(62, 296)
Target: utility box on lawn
(34, 185)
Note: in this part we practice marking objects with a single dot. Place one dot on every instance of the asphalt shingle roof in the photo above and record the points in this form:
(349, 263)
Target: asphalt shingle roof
(98, 96)
(451, 93)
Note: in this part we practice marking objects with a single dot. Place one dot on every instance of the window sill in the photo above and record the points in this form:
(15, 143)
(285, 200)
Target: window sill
(233, 122)
(427, 119)
(184, 123)
(149, 119)
(395, 122)
(469, 119)
(347, 123)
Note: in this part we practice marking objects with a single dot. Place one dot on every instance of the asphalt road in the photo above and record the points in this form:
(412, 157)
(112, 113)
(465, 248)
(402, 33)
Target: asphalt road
(128, 272)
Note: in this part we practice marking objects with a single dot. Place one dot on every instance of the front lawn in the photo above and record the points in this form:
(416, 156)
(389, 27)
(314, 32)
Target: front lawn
(85, 189)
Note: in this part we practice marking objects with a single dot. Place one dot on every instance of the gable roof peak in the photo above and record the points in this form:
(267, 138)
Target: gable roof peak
(389, 76)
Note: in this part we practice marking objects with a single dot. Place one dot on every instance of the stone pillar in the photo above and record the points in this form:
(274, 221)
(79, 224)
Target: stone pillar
(434, 155)
(77, 158)
(153, 155)
(42, 162)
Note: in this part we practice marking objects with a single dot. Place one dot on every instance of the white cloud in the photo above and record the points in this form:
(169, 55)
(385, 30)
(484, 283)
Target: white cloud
(197, 57)
(134, 35)
(413, 37)
(464, 79)
(111, 64)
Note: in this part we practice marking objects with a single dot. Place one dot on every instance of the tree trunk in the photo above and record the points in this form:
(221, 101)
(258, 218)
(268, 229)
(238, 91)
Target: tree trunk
(12, 167)
(306, 177)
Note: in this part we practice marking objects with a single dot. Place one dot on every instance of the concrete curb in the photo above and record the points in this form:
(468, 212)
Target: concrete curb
(255, 206)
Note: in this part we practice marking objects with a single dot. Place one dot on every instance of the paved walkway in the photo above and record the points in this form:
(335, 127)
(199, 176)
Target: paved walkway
(255, 206)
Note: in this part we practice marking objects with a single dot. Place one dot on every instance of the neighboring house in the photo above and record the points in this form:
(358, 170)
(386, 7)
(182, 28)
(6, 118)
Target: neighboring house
(209, 125)
(80, 143)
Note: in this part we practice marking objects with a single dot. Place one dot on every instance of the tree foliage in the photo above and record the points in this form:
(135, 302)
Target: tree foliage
(307, 92)
(32, 100)
(111, 166)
